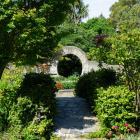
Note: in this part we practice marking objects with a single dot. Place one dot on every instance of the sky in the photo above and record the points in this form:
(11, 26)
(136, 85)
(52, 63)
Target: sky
(98, 7)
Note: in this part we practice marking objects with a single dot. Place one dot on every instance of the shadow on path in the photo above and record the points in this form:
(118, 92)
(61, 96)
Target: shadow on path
(74, 117)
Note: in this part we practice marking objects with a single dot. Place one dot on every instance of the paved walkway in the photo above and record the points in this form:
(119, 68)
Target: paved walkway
(74, 118)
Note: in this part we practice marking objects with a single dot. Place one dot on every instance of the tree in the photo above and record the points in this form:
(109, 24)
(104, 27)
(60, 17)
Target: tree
(101, 29)
(125, 14)
(75, 35)
(78, 11)
(27, 30)
(83, 35)
(125, 51)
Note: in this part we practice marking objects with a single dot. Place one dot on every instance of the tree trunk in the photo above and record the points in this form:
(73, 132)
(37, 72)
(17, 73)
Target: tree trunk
(2, 67)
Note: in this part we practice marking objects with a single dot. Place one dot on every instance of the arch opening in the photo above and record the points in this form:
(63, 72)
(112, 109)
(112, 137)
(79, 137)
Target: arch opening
(68, 65)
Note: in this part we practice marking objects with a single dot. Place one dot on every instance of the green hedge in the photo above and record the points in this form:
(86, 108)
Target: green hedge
(29, 111)
(86, 87)
(115, 108)
(88, 83)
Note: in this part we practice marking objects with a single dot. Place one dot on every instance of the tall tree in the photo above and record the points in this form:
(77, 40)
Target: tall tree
(27, 29)
(77, 12)
(125, 51)
(125, 14)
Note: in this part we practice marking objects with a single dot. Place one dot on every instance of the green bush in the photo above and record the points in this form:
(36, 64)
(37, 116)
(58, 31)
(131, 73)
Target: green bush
(88, 83)
(86, 87)
(115, 108)
(105, 77)
(30, 110)
(40, 88)
(9, 84)
(7, 97)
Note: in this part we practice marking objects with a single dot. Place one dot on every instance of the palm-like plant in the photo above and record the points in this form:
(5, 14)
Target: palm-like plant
(78, 11)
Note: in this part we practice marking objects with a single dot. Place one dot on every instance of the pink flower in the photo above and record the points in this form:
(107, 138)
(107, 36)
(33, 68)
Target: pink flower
(115, 127)
(133, 130)
(126, 124)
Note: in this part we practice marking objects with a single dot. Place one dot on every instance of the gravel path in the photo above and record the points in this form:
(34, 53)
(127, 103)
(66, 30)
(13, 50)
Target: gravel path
(74, 118)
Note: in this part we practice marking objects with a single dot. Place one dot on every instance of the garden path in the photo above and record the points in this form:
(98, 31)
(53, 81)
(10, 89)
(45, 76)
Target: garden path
(74, 118)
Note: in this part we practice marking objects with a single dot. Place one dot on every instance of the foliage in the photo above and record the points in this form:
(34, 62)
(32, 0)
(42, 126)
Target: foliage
(69, 65)
(98, 134)
(100, 24)
(67, 82)
(115, 108)
(9, 84)
(59, 85)
(83, 35)
(30, 109)
(86, 87)
(77, 12)
(100, 53)
(105, 77)
(28, 30)
(125, 15)
(88, 83)
(11, 77)
(75, 35)
(128, 137)
(102, 29)
(40, 88)
(125, 51)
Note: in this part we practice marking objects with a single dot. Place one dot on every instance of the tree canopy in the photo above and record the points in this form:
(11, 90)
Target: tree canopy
(125, 14)
(83, 35)
(28, 29)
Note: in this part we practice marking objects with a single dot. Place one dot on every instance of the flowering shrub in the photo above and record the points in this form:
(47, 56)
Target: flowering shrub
(119, 129)
(115, 109)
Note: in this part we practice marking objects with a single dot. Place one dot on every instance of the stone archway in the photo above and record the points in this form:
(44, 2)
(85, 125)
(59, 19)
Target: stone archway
(74, 51)
(77, 52)
(87, 65)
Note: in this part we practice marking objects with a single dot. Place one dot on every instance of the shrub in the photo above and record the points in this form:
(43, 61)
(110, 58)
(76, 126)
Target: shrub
(9, 84)
(88, 83)
(105, 77)
(115, 108)
(30, 111)
(40, 88)
(7, 97)
(86, 87)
